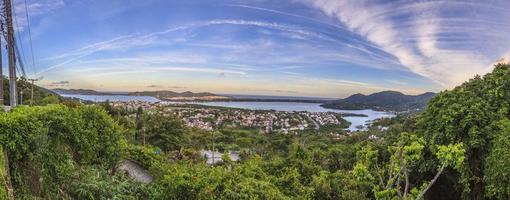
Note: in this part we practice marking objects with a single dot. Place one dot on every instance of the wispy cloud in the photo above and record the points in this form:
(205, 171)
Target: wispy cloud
(419, 45)
(130, 41)
(34, 9)
(286, 14)
(396, 82)
(58, 84)
(122, 70)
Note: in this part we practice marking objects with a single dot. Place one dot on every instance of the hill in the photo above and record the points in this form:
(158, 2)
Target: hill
(170, 95)
(79, 92)
(457, 148)
(475, 113)
(41, 95)
(160, 94)
(386, 100)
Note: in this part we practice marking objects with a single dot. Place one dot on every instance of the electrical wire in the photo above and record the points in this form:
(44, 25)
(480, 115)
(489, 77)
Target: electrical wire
(21, 57)
(30, 38)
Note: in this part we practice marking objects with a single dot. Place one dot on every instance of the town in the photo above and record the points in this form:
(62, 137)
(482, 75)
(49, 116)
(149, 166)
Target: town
(267, 121)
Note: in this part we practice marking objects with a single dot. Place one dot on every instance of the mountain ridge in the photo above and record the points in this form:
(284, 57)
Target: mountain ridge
(385, 100)
(160, 94)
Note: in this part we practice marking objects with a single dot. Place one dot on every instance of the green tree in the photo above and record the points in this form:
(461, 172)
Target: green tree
(497, 170)
(52, 99)
(139, 124)
(469, 114)
(391, 179)
(165, 131)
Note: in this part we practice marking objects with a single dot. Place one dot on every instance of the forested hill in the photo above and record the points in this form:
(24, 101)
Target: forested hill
(456, 148)
(41, 95)
(386, 100)
(164, 94)
(79, 92)
(477, 114)
(159, 94)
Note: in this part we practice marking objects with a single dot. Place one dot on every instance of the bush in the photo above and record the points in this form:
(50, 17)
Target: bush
(45, 146)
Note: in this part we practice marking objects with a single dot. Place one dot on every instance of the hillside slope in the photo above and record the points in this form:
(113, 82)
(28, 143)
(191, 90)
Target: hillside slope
(170, 94)
(40, 93)
(476, 113)
(386, 100)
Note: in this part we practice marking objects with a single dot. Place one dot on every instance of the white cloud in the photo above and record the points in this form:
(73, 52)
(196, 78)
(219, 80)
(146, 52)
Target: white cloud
(34, 9)
(417, 44)
(396, 82)
(130, 41)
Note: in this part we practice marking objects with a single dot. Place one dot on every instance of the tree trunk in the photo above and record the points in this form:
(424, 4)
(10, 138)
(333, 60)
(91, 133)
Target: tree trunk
(431, 183)
(406, 189)
(8, 185)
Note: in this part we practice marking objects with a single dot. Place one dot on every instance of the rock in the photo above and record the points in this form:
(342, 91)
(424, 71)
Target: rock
(135, 171)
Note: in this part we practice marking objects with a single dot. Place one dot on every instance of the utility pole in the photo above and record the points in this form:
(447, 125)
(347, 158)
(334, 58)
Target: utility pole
(10, 51)
(1, 73)
(32, 93)
(213, 159)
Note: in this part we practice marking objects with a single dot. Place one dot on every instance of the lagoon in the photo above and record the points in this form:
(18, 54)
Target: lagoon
(256, 105)
(298, 106)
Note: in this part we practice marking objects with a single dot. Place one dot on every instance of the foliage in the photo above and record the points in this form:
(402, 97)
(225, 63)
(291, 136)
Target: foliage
(3, 176)
(497, 170)
(471, 114)
(46, 144)
(165, 131)
(458, 145)
(25, 87)
(95, 183)
(385, 100)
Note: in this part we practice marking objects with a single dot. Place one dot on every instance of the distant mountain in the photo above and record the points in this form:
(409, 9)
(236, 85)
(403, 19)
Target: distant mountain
(386, 100)
(170, 95)
(25, 92)
(79, 92)
(161, 94)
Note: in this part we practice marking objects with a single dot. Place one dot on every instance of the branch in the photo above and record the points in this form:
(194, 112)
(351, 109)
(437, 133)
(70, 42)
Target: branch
(431, 183)
(406, 189)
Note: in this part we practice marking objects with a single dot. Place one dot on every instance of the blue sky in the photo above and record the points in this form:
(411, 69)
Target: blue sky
(297, 47)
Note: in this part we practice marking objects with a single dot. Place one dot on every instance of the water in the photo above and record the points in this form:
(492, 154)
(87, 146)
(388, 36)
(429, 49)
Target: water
(297, 106)
(242, 96)
(103, 98)
(256, 105)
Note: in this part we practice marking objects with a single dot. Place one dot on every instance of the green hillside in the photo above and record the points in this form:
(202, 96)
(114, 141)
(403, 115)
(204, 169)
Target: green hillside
(457, 148)
(42, 96)
(386, 100)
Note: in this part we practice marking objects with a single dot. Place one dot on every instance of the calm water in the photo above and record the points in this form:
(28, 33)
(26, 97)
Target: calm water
(310, 107)
(278, 106)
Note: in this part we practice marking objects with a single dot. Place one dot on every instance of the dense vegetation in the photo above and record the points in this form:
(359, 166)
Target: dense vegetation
(42, 96)
(386, 100)
(457, 148)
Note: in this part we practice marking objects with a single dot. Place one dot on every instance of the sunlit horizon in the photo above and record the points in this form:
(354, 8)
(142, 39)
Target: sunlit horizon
(311, 48)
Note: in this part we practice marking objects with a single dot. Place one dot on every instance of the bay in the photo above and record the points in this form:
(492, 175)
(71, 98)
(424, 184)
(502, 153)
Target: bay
(299, 106)
(257, 105)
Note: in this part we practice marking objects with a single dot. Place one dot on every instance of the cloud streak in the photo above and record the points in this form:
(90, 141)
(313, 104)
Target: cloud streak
(130, 41)
(418, 45)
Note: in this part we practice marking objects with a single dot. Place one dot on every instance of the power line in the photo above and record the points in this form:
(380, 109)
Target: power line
(30, 37)
(21, 57)
(20, 63)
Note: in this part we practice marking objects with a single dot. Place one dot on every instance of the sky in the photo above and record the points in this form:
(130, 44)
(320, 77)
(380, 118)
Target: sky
(323, 48)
